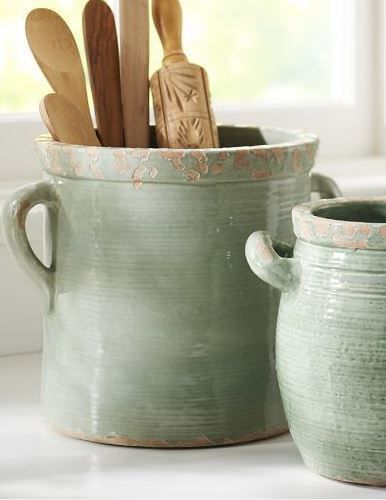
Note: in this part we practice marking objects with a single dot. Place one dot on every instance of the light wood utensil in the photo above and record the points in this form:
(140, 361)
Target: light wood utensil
(134, 42)
(46, 120)
(101, 44)
(67, 123)
(184, 118)
(55, 50)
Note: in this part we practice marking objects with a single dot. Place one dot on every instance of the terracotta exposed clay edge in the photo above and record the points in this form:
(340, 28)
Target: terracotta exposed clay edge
(139, 166)
(200, 442)
(339, 233)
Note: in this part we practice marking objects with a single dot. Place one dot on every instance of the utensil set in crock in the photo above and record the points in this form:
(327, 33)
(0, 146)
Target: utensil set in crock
(119, 80)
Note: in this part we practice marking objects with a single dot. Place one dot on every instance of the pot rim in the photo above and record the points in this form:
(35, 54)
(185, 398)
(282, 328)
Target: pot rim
(299, 137)
(311, 226)
(293, 153)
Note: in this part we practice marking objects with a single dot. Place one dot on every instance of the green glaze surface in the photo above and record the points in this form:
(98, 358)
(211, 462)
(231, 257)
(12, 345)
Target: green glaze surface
(156, 332)
(331, 334)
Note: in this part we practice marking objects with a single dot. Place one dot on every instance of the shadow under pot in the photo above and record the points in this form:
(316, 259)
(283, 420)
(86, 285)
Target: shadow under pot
(331, 334)
(156, 332)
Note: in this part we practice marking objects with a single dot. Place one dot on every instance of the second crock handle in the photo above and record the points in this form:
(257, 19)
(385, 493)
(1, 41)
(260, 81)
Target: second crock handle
(325, 186)
(271, 260)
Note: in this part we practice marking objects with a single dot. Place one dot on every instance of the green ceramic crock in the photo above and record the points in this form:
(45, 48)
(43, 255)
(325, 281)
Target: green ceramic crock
(331, 334)
(156, 333)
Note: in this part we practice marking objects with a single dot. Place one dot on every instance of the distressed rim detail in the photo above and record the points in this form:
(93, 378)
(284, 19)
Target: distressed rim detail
(293, 154)
(201, 442)
(339, 233)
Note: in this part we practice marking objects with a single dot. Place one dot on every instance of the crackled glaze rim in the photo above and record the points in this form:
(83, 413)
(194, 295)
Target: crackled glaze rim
(294, 154)
(339, 233)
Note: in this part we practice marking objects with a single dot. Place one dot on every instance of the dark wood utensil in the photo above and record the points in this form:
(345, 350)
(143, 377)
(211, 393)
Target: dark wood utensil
(101, 44)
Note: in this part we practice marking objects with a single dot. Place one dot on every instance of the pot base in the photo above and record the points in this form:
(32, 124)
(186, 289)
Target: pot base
(200, 442)
(341, 479)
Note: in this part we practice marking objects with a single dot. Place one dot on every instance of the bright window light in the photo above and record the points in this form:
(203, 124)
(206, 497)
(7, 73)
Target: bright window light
(257, 52)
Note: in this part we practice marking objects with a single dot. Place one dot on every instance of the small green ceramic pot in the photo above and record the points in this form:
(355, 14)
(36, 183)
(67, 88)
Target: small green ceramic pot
(331, 334)
(156, 332)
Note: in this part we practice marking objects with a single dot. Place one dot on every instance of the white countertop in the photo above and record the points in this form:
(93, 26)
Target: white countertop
(35, 462)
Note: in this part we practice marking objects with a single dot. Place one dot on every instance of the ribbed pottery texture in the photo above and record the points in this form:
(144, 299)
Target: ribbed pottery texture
(156, 332)
(331, 338)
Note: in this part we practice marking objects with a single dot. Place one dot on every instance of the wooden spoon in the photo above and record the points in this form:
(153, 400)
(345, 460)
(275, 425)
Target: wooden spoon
(55, 50)
(46, 120)
(66, 121)
(101, 44)
(134, 16)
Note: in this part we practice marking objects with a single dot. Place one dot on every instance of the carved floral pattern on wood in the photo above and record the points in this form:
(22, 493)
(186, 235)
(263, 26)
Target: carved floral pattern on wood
(181, 106)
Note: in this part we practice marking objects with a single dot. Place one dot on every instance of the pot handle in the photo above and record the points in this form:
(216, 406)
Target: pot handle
(325, 186)
(271, 260)
(15, 213)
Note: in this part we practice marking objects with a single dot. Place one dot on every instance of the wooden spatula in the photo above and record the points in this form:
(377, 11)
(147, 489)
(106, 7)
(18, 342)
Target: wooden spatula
(66, 123)
(134, 41)
(101, 44)
(184, 118)
(55, 50)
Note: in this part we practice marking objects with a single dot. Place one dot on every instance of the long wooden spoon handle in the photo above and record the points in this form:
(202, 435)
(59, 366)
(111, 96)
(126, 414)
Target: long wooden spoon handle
(134, 17)
(167, 16)
(101, 44)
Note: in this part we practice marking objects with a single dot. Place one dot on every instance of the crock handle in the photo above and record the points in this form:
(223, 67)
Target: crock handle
(15, 213)
(325, 186)
(271, 260)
